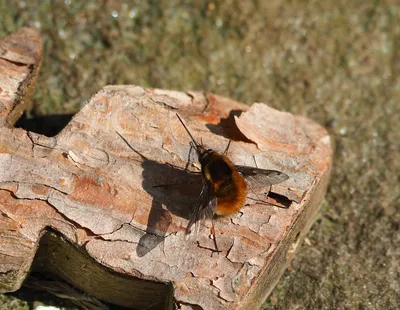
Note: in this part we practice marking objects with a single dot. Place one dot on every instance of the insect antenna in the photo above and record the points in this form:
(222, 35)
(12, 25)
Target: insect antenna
(190, 135)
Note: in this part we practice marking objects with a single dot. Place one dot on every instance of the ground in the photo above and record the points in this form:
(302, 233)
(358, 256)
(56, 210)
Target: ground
(337, 62)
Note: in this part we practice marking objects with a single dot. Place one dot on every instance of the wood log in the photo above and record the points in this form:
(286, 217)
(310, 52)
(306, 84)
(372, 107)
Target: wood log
(85, 205)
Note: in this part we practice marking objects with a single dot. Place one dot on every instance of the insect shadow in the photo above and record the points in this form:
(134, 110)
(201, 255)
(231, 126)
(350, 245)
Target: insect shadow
(173, 191)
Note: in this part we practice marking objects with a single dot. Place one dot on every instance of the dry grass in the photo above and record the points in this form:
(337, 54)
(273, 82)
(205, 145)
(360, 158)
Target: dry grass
(337, 62)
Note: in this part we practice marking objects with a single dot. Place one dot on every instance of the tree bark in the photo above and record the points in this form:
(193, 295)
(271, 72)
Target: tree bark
(85, 205)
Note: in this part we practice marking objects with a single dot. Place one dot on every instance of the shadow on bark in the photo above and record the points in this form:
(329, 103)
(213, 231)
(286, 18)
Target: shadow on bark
(176, 192)
(47, 125)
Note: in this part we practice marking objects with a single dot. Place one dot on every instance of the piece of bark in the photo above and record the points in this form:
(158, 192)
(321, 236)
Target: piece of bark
(20, 60)
(86, 204)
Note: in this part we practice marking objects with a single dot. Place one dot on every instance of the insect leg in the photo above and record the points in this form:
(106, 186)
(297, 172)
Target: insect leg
(258, 198)
(214, 237)
(266, 194)
(188, 159)
(227, 147)
(186, 170)
(255, 162)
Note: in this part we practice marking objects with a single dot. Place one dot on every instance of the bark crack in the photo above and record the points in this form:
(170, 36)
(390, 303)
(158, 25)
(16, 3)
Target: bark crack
(163, 104)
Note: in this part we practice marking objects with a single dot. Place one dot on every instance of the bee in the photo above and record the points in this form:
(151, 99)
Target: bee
(225, 185)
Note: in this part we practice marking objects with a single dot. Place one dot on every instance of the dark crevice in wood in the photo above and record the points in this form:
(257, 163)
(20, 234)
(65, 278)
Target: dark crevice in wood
(58, 256)
(53, 291)
(47, 125)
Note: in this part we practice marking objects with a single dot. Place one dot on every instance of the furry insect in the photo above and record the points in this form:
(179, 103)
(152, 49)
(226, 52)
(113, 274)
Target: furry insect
(225, 185)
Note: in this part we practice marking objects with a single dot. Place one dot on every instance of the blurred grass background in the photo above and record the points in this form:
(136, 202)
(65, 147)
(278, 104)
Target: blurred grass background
(337, 62)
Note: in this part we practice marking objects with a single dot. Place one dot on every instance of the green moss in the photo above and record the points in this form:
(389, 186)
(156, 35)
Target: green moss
(12, 303)
(336, 62)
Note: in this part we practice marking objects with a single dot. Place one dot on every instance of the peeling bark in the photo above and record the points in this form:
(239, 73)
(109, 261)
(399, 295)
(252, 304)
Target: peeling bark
(85, 206)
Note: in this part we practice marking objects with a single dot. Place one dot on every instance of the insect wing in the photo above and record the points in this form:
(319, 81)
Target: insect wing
(258, 178)
(205, 207)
